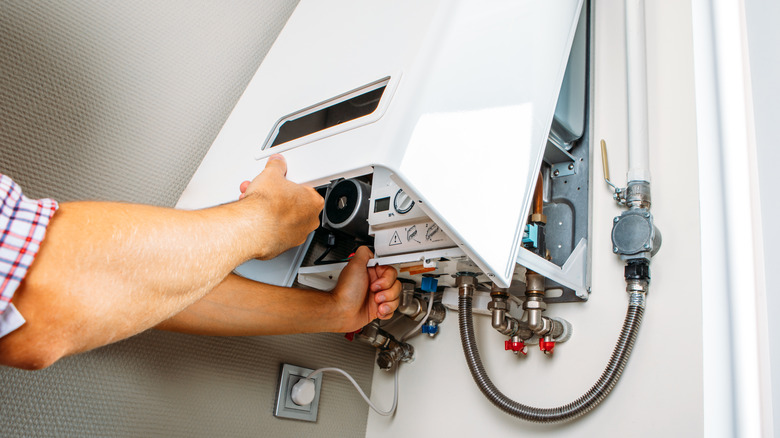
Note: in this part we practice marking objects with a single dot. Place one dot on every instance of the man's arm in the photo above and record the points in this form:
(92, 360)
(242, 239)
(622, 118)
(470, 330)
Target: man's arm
(241, 307)
(106, 271)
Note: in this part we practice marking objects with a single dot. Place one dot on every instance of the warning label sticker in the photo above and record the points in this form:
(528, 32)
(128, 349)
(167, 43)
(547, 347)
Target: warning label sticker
(432, 233)
(412, 237)
(411, 234)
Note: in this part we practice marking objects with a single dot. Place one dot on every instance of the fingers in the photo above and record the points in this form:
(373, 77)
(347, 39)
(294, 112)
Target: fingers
(276, 163)
(382, 277)
(244, 185)
(388, 300)
(387, 290)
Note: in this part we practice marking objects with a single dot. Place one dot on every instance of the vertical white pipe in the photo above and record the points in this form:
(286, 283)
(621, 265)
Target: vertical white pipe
(733, 386)
(636, 70)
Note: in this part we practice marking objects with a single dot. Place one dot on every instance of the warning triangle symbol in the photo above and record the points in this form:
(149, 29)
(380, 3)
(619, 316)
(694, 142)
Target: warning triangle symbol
(396, 240)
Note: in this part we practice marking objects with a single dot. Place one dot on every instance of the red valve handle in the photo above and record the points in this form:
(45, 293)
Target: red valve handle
(546, 346)
(515, 346)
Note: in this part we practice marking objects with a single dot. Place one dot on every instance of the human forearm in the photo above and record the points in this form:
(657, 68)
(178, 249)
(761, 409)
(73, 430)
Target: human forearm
(241, 307)
(107, 271)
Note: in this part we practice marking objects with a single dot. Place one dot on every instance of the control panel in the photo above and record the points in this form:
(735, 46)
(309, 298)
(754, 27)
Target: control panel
(398, 224)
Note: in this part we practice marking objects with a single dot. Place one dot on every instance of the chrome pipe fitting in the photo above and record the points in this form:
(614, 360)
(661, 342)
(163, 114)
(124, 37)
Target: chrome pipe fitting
(466, 283)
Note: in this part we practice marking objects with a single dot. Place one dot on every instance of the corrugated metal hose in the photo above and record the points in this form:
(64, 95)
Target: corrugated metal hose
(582, 405)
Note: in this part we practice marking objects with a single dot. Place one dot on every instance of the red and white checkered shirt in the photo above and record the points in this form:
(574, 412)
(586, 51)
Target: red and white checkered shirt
(23, 224)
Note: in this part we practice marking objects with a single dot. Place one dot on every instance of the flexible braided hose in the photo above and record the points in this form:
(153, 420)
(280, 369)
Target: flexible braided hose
(578, 407)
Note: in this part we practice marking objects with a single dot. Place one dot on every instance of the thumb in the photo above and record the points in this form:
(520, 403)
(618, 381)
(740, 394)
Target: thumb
(356, 267)
(360, 259)
(276, 162)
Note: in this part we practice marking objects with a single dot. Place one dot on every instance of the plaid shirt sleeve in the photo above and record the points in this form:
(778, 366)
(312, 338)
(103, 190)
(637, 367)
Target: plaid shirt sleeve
(23, 224)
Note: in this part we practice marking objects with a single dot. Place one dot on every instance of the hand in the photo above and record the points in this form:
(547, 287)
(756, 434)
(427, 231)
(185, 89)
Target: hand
(364, 294)
(286, 212)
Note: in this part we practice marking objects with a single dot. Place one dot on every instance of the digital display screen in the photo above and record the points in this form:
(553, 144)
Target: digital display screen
(381, 205)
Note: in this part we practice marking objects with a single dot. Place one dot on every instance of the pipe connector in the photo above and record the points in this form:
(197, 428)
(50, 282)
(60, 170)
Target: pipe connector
(534, 283)
(638, 195)
(637, 299)
(497, 290)
(501, 320)
(391, 350)
(398, 352)
(409, 306)
(466, 283)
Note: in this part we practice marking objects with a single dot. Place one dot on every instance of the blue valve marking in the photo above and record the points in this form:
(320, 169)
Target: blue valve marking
(430, 329)
(531, 235)
(429, 284)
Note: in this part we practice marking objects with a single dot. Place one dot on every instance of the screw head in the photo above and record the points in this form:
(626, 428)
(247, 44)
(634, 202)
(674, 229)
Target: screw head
(571, 166)
(615, 249)
(556, 173)
(616, 219)
(646, 246)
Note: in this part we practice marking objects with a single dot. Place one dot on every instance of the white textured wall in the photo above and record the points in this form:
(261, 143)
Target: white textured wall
(660, 393)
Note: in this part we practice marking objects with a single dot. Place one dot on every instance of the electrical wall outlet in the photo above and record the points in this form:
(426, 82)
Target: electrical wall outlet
(285, 406)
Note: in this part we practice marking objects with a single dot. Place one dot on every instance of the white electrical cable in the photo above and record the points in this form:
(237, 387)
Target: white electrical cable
(422, 321)
(307, 394)
(363, 394)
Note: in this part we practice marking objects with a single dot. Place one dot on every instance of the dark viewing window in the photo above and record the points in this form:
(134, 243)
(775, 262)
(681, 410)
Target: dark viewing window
(381, 205)
(336, 114)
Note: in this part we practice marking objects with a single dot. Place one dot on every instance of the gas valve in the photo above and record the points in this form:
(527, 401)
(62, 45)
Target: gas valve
(546, 345)
(431, 328)
(516, 346)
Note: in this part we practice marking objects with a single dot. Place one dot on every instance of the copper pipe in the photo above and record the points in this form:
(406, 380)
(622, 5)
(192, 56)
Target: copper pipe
(538, 195)
(537, 213)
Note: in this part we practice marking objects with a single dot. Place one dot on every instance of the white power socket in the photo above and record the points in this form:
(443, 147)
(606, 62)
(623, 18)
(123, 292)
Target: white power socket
(286, 406)
(303, 392)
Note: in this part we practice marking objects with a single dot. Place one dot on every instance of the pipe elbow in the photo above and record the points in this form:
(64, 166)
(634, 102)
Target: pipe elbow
(411, 309)
(409, 305)
(499, 320)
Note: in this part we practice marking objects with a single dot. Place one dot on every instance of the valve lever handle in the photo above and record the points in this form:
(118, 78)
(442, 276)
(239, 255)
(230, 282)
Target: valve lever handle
(605, 163)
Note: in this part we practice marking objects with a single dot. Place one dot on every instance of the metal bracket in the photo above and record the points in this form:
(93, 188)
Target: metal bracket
(562, 163)
(563, 169)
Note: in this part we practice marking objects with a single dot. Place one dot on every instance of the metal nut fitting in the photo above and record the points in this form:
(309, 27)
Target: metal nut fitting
(538, 217)
(498, 305)
(638, 195)
(464, 279)
(636, 286)
(495, 290)
(466, 283)
(533, 304)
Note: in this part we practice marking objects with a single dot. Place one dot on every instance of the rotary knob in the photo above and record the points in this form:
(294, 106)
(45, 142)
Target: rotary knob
(402, 202)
